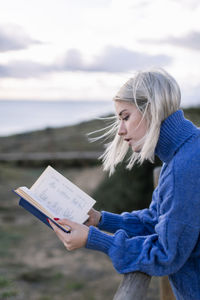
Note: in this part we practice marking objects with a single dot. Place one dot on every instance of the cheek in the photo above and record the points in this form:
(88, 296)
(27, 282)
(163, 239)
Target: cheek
(143, 128)
(138, 129)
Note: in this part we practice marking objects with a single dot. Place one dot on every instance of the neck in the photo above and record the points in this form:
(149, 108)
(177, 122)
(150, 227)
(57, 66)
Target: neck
(174, 131)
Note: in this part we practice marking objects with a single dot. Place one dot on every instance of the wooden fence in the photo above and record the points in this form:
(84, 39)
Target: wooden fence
(69, 158)
(134, 286)
(44, 156)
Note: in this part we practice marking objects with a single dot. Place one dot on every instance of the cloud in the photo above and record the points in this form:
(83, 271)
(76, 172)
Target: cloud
(112, 60)
(23, 69)
(189, 4)
(119, 59)
(190, 41)
(12, 37)
(71, 61)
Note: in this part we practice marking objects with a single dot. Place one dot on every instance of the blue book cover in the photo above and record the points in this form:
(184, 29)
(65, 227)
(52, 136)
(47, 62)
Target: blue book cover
(38, 214)
(53, 195)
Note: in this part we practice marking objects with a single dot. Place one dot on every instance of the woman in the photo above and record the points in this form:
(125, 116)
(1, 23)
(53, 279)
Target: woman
(164, 239)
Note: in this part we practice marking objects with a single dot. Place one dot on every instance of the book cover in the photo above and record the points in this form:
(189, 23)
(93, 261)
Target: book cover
(54, 196)
(38, 214)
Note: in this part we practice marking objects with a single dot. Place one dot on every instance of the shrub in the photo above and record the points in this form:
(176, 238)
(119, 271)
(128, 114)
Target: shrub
(126, 190)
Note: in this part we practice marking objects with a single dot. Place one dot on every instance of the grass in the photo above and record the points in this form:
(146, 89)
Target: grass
(41, 275)
(53, 139)
(73, 285)
(70, 138)
(7, 288)
(48, 275)
(4, 282)
(9, 240)
(69, 276)
(8, 294)
(46, 298)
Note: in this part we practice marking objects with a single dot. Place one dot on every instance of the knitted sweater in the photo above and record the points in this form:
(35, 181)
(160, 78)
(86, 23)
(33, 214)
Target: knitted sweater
(165, 238)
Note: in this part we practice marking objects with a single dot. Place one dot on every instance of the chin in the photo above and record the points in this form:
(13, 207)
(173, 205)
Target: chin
(137, 150)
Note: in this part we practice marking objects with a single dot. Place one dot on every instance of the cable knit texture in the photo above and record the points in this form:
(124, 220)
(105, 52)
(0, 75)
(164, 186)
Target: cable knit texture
(165, 238)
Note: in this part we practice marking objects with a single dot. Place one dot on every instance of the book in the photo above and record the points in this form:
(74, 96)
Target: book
(54, 196)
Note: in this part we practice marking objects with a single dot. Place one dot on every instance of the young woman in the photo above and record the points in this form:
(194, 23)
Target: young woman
(165, 238)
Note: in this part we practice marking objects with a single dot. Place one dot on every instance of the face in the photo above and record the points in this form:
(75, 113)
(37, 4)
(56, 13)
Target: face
(132, 128)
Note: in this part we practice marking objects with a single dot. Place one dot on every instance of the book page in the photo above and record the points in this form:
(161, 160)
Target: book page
(61, 197)
(26, 194)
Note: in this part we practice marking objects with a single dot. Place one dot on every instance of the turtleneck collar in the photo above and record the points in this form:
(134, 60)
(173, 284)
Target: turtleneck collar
(174, 131)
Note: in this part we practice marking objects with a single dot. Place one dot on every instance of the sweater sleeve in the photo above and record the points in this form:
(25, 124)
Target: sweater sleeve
(167, 249)
(139, 222)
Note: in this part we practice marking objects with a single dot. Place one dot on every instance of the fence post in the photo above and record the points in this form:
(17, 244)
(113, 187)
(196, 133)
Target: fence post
(135, 285)
(165, 288)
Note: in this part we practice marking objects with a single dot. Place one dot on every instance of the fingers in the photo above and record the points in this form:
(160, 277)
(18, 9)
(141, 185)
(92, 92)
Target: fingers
(63, 236)
(86, 223)
(90, 211)
(58, 231)
(67, 222)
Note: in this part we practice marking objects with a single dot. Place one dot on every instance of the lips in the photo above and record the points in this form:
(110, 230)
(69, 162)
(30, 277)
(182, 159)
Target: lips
(128, 141)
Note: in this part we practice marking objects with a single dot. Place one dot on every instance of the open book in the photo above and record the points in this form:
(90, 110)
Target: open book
(54, 196)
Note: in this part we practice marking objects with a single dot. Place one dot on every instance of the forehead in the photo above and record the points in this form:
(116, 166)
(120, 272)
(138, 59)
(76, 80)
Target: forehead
(124, 105)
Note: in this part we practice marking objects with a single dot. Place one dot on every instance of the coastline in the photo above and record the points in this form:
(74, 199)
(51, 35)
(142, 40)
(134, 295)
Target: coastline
(18, 117)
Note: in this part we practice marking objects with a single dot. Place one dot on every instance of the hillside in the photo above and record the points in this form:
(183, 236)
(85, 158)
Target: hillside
(35, 265)
(70, 138)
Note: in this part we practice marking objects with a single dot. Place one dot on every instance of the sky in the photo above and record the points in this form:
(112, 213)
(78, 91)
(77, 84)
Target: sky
(87, 49)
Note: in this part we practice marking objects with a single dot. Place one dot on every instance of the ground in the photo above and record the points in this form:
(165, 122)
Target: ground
(34, 264)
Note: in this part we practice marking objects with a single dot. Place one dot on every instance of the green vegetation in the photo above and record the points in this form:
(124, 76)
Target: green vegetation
(7, 289)
(8, 294)
(126, 190)
(4, 282)
(32, 258)
(45, 298)
(8, 239)
(74, 285)
(41, 275)
(193, 114)
(71, 138)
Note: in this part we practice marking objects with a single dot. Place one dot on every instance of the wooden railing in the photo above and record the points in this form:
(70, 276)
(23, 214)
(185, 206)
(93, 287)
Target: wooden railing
(69, 158)
(89, 155)
(134, 286)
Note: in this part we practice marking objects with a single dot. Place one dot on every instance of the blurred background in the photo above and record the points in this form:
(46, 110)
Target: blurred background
(61, 63)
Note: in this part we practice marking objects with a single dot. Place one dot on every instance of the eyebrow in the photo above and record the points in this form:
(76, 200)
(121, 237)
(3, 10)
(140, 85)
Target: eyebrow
(121, 112)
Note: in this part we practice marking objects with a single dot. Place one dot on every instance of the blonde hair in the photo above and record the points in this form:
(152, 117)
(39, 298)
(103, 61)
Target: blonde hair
(156, 95)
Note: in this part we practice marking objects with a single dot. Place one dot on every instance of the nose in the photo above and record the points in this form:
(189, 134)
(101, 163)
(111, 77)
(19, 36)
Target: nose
(122, 129)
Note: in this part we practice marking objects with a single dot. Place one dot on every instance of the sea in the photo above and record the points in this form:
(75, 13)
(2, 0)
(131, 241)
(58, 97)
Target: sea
(24, 116)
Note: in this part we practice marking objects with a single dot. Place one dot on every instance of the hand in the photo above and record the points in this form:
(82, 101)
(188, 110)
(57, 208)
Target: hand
(94, 217)
(76, 238)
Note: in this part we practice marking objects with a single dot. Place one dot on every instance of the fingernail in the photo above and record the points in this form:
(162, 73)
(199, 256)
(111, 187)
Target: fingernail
(56, 219)
(47, 220)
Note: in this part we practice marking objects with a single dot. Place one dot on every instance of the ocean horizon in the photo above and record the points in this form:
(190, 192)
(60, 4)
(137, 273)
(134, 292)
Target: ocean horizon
(20, 116)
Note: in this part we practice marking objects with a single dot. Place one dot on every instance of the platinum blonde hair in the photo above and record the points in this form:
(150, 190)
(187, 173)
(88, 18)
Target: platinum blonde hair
(156, 94)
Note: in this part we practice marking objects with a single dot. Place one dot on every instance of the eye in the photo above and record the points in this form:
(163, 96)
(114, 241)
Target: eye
(126, 118)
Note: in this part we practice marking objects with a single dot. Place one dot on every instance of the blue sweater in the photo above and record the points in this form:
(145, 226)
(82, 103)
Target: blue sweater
(165, 238)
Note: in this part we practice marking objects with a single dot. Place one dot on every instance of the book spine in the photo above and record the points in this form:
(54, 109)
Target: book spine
(37, 213)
